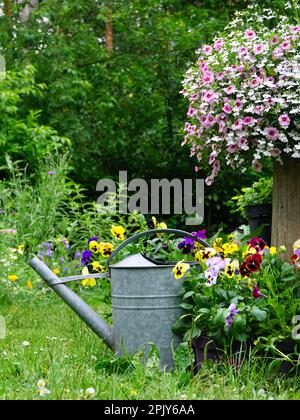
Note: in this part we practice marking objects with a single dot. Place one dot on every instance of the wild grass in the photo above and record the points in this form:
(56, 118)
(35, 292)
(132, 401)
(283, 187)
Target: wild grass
(47, 341)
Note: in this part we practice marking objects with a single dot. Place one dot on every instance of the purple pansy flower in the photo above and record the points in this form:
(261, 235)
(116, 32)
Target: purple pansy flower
(86, 257)
(232, 312)
(201, 234)
(187, 245)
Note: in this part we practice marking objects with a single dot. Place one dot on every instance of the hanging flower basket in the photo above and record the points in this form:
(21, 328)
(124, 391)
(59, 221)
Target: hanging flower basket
(244, 107)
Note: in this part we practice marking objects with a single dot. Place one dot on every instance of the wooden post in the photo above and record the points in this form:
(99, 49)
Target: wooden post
(286, 204)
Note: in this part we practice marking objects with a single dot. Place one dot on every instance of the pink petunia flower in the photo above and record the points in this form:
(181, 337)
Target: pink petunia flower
(274, 40)
(255, 82)
(249, 120)
(208, 78)
(233, 148)
(238, 125)
(218, 44)
(220, 75)
(203, 67)
(286, 46)
(192, 112)
(284, 120)
(227, 108)
(243, 143)
(271, 133)
(276, 152)
(239, 104)
(230, 89)
(194, 97)
(250, 34)
(259, 109)
(210, 96)
(258, 49)
(207, 49)
(202, 119)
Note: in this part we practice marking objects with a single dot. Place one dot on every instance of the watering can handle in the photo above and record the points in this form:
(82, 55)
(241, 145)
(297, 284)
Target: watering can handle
(154, 232)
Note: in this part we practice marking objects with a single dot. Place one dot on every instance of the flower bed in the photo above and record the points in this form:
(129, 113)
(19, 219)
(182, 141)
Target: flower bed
(244, 292)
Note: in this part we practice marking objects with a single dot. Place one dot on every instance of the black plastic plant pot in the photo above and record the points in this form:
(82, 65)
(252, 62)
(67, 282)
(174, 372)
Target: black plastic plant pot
(205, 349)
(259, 215)
(292, 350)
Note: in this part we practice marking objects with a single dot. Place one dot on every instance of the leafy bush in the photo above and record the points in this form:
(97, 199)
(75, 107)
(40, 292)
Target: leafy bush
(21, 135)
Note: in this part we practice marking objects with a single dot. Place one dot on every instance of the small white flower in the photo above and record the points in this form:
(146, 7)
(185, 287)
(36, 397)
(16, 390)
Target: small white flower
(90, 392)
(41, 383)
(26, 344)
(44, 391)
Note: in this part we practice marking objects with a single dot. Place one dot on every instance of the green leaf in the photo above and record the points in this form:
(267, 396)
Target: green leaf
(186, 306)
(258, 314)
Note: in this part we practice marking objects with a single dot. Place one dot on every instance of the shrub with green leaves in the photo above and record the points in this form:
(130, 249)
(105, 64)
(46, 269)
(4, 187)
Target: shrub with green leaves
(21, 135)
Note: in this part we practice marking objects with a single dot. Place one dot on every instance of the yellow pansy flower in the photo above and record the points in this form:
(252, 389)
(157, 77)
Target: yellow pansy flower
(106, 249)
(249, 251)
(161, 225)
(231, 268)
(230, 238)
(118, 232)
(13, 278)
(87, 282)
(273, 250)
(94, 247)
(56, 271)
(230, 248)
(297, 245)
(205, 254)
(180, 269)
(98, 267)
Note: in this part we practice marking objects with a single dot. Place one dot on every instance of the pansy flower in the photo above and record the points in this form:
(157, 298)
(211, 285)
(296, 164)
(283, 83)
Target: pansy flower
(94, 247)
(257, 243)
(106, 249)
(232, 268)
(180, 270)
(186, 246)
(118, 232)
(88, 282)
(205, 254)
(152, 223)
(86, 257)
(232, 312)
(98, 267)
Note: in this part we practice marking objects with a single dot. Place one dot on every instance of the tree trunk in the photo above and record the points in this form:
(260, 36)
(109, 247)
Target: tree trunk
(286, 204)
(7, 7)
(109, 27)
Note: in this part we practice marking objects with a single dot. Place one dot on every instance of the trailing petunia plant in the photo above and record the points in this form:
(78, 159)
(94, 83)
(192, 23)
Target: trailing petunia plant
(243, 93)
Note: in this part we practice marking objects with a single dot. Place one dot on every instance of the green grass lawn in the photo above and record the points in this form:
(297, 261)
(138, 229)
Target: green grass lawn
(47, 341)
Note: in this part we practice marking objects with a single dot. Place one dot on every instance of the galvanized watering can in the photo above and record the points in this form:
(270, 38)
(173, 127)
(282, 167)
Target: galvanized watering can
(145, 301)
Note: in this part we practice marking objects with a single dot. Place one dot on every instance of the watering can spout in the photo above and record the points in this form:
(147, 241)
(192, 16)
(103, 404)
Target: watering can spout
(87, 314)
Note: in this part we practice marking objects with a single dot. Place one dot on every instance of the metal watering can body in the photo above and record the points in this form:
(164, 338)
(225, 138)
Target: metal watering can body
(145, 301)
